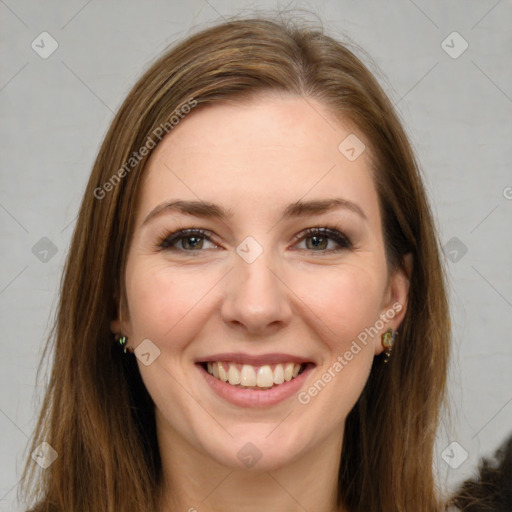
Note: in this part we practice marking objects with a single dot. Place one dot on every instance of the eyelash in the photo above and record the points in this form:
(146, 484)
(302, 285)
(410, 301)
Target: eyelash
(167, 239)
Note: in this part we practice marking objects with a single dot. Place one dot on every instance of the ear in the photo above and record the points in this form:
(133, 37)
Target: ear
(394, 304)
(120, 324)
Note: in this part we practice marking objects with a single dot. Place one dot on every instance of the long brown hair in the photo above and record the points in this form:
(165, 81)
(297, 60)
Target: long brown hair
(97, 414)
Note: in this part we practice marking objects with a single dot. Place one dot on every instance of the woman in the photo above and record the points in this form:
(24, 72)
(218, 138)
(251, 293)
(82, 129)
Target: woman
(253, 312)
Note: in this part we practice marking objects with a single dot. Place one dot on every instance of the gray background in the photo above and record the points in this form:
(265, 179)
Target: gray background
(56, 110)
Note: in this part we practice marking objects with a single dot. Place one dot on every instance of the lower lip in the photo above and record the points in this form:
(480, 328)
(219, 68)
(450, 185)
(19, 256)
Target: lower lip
(253, 397)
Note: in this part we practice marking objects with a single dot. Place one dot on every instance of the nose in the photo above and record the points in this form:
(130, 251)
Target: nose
(257, 298)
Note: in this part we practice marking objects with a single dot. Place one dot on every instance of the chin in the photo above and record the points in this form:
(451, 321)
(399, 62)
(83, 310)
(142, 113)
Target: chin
(259, 447)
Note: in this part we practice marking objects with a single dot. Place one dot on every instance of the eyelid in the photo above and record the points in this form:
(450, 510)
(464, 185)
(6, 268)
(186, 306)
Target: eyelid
(334, 233)
(181, 233)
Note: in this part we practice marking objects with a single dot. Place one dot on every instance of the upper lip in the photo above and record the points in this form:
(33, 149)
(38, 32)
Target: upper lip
(253, 360)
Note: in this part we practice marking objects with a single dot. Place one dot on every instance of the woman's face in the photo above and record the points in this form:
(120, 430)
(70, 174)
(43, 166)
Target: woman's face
(254, 291)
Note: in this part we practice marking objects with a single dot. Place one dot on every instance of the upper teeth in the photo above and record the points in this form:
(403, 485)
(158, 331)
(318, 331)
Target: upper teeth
(247, 375)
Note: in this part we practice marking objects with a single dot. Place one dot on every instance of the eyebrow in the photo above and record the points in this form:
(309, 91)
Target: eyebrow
(205, 209)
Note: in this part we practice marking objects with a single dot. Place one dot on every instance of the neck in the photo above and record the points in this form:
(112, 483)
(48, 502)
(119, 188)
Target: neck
(193, 481)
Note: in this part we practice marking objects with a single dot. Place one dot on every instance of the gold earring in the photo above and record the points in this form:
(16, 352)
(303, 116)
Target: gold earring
(388, 340)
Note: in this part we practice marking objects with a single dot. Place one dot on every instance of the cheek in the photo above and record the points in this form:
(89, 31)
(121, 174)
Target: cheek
(348, 304)
(347, 299)
(161, 299)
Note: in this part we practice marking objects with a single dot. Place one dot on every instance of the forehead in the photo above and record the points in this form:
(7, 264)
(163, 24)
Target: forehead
(253, 156)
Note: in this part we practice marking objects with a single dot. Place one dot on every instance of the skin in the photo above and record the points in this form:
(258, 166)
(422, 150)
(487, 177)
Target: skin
(255, 159)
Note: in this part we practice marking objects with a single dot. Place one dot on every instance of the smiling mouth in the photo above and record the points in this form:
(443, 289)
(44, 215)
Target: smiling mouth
(254, 377)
